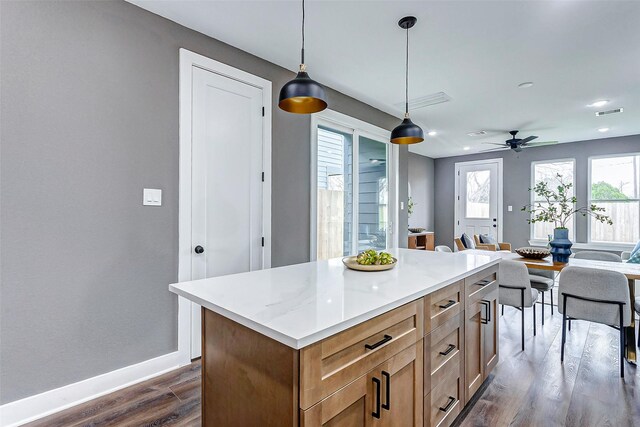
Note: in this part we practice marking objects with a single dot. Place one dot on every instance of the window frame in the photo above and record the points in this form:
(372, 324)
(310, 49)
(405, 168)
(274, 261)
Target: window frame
(357, 128)
(618, 245)
(532, 200)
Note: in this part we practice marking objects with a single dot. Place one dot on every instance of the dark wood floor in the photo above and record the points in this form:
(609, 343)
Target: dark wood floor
(530, 388)
(172, 399)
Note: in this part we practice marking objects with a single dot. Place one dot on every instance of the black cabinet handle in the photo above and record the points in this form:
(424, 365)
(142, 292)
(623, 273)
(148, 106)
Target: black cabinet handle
(449, 304)
(488, 310)
(483, 282)
(376, 413)
(379, 343)
(448, 350)
(452, 401)
(387, 378)
(486, 304)
(198, 249)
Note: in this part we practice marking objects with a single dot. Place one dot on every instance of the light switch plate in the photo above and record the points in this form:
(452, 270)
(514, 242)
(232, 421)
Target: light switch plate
(152, 197)
(510, 208)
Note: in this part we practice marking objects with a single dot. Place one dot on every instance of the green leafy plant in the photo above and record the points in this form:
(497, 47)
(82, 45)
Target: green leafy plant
(560, 206)
(604, 191)
(410, 205)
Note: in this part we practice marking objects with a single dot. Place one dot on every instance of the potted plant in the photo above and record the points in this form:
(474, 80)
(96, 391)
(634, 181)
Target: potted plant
(558, 209)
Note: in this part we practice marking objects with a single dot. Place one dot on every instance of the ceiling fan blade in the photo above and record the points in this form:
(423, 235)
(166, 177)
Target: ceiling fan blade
(535, 144)
(494, 149)
(527, 139)
(494, 143)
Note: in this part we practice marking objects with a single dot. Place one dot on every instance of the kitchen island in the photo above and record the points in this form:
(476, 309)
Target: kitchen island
(316, 344)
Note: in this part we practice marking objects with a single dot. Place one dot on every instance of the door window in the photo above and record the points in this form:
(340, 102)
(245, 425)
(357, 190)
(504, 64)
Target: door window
(352, 197)
(478, 195)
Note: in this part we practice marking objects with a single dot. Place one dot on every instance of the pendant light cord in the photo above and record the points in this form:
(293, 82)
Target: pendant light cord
(302, 63)
(406, 79)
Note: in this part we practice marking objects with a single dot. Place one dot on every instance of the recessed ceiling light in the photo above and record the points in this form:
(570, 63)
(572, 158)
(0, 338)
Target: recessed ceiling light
(603, 129)
(466, 148)
(477, 133)
(598, 103)
(525, 85)
(433, 133)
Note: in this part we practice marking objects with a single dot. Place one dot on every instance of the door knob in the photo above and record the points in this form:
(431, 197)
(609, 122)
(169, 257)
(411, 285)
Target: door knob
(198, 249)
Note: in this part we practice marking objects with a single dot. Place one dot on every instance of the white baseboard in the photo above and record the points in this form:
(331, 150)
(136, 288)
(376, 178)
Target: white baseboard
(40, 405)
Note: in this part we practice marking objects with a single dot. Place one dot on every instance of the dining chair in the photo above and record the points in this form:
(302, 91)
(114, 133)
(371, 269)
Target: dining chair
(543, 281)
(442, 248)
(595, 295)
(637, 307)
(515, 290)
(598, 256)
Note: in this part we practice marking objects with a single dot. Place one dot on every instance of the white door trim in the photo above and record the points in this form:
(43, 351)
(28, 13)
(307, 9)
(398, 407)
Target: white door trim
(456, 193)
(356, 127)
(188, 60)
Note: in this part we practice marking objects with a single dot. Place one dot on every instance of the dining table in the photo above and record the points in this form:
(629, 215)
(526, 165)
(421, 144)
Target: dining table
(630, 270)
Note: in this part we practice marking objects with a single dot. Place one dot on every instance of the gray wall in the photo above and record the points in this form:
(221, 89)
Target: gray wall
(517, 180)
(421, 181)
(89, 115)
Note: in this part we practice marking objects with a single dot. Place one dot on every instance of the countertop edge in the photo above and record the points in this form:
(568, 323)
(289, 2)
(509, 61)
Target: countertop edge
(307, 340)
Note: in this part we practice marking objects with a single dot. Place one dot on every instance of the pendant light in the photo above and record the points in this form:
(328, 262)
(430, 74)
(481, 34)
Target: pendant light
(407, 132)
(302, 95)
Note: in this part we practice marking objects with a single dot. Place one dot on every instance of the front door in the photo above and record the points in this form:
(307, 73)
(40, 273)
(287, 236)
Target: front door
(478, 204)
(226, 181)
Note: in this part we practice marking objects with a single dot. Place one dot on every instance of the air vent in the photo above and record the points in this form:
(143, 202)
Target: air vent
(425, 101)
(477, 133)
(603, 113)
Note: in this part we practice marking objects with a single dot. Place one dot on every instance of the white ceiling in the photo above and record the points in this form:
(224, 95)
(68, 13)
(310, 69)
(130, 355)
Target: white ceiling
(477, 52)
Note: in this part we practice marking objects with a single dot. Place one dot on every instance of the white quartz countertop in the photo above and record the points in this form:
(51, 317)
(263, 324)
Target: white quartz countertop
(301, 304)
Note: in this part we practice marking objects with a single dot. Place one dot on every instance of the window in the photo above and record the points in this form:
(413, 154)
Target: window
(615, 186)
(352, 209)
(548, 172)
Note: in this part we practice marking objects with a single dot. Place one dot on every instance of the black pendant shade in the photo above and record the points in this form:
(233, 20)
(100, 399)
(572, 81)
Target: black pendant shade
(302, 95)
(407, 132)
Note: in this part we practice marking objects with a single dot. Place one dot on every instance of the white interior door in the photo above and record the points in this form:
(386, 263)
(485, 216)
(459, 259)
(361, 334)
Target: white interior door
(226, 181)
(479, 198)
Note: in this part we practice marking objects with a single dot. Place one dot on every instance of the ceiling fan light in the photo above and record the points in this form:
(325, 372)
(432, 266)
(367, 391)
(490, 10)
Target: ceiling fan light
(406, 133)
(302, 95)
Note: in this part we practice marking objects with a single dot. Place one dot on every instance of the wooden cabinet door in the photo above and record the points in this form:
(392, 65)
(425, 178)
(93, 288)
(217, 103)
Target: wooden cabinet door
(474, 348)
(490, 334)
(388, 395)
(401, 389)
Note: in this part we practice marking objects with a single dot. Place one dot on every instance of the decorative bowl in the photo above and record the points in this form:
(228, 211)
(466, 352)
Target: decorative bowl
(350, 262)
(533, 253)
(416, 229)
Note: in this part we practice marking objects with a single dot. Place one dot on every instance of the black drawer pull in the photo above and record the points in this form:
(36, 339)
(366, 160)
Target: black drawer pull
(449, 304)
(452, 401)
(448, 350)
(376, 413)
(486, 304)
(387, 378)
(484, 282)
(379, 343)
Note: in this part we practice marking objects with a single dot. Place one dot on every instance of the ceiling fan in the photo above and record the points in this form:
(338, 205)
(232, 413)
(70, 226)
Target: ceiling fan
(517, 144)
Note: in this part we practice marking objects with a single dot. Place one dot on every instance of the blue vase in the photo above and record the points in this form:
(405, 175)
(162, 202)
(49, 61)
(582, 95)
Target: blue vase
(560, 245)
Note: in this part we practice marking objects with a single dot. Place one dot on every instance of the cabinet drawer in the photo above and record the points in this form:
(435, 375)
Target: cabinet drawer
(442, 305)
(334, 362)
(480, 284)
(444, 403)
(444, 353)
